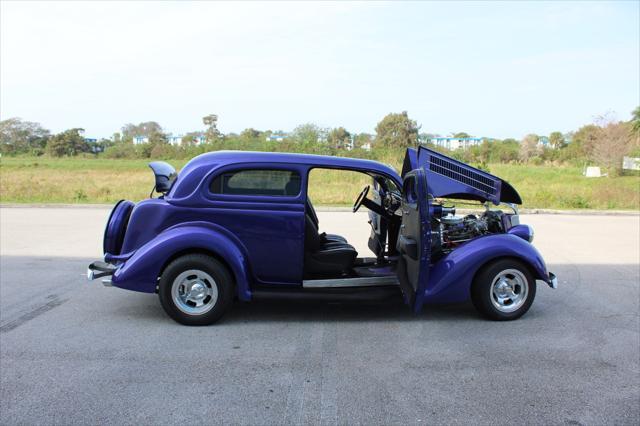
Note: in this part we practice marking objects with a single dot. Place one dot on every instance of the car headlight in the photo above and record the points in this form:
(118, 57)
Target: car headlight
(531, 233)
(522, 231)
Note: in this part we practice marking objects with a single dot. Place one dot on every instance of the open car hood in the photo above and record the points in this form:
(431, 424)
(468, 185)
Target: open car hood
(449, 178)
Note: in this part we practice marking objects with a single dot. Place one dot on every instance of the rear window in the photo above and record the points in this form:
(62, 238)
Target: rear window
(283, 183)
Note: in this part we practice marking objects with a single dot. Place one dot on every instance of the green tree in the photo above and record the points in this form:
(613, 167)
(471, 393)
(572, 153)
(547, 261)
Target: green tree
(585, 139)
(556, 140)
(308, 134)
(212, 133)
(635, 120)
(149, 129)
(19, 136)
(505, 151)
(461, 135)
(363, 139)
(397, 130)
(190, 138)
(70, 142)
(250, 133)
(103, 144)
(339, 137)
(484, 151)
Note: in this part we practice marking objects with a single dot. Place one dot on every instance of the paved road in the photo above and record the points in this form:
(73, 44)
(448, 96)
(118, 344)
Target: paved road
(73, 352)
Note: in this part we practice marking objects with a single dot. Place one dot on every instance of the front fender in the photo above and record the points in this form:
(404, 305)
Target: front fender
(140, 272)
(451, 277)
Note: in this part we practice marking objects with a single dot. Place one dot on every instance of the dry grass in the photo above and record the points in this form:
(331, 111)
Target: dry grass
(79, 180)
(336, 187)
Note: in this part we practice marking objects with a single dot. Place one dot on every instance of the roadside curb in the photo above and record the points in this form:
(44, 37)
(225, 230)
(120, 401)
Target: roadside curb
(341, 209)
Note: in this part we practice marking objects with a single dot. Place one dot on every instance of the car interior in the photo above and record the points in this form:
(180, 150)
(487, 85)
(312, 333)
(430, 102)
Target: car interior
(330, 256)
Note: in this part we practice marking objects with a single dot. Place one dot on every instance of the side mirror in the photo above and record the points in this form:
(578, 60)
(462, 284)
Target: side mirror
(164, 174)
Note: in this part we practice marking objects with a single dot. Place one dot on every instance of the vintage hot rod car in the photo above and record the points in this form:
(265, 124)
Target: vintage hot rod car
(240, 225)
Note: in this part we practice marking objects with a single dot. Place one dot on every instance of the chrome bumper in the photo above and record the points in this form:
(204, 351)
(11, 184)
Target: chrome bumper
(553, 280)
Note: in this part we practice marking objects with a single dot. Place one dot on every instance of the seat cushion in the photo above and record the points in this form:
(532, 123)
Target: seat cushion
(312, 217)
(332, 259)
(333, 238)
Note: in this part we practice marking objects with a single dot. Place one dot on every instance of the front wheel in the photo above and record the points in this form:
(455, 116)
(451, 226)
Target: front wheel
(503, 290)
(196, 289)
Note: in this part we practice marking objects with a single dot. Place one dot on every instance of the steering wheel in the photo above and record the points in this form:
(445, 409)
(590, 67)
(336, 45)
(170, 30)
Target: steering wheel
(361, 198)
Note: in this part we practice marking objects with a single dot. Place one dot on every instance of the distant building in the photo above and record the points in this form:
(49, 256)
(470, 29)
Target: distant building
(93, 145)
(277, 137)
(631, 163)
(175, 140)
(452, 143)
(139, 140)
(346, 144)
(196, 140)
(350, 144)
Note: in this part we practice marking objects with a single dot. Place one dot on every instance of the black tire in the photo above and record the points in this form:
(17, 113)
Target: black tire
(487, 302)
(208, 266)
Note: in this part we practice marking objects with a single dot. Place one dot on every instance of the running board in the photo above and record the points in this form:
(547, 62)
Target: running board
(339, 295)
(351, 282)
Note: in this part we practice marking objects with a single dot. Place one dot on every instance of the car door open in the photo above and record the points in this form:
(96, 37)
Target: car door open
(414, 241)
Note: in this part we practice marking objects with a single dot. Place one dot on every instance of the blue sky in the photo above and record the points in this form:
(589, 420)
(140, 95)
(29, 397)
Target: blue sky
(495, 69)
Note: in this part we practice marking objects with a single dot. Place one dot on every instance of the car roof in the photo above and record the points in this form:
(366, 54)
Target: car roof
(231, 157)
(191, 174)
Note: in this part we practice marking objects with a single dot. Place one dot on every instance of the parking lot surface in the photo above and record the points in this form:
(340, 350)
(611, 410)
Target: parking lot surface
(73, 352)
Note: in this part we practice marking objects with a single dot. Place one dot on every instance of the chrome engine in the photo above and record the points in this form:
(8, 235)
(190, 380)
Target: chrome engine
(449, 230)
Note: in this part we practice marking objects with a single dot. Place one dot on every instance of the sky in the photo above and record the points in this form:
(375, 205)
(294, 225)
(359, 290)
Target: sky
(499, 70)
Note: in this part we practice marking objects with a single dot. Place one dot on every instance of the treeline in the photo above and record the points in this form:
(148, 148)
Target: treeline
(603, 143)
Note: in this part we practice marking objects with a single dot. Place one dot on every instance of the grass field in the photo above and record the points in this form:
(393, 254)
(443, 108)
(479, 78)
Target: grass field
(86, 180)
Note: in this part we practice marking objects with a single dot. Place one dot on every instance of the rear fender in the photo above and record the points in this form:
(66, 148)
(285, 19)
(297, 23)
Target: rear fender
(140, 272)
(451, 277)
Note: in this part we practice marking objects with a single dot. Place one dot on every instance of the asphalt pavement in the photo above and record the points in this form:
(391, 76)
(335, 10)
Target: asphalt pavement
(73, 352)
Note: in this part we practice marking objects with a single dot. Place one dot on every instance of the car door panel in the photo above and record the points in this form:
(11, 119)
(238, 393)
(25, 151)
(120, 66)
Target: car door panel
(414, 241)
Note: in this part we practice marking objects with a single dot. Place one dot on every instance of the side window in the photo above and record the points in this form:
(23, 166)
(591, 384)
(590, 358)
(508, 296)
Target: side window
(257, 182)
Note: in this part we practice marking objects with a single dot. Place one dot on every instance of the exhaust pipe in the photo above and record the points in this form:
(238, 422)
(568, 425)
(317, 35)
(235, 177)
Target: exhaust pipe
(99, 270)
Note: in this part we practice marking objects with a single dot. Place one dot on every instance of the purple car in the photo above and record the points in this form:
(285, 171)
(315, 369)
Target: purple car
(240, 225)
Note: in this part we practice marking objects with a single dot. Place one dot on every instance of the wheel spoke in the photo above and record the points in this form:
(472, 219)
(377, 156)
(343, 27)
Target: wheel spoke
(194, 292)
(509, 290)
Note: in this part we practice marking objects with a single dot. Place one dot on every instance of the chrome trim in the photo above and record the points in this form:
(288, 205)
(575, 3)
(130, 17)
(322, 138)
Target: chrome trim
(514, 207)
(351, 282)
(553, 281)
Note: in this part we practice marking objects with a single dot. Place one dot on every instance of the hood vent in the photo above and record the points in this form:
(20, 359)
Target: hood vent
(450, 178)
(462, 174)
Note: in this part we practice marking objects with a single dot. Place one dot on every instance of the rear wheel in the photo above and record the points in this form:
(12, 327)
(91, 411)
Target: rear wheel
(503, 290)
(196, 289)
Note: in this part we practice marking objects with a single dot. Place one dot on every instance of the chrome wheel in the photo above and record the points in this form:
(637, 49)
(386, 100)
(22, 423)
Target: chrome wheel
(194, 292)
(509, 290)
